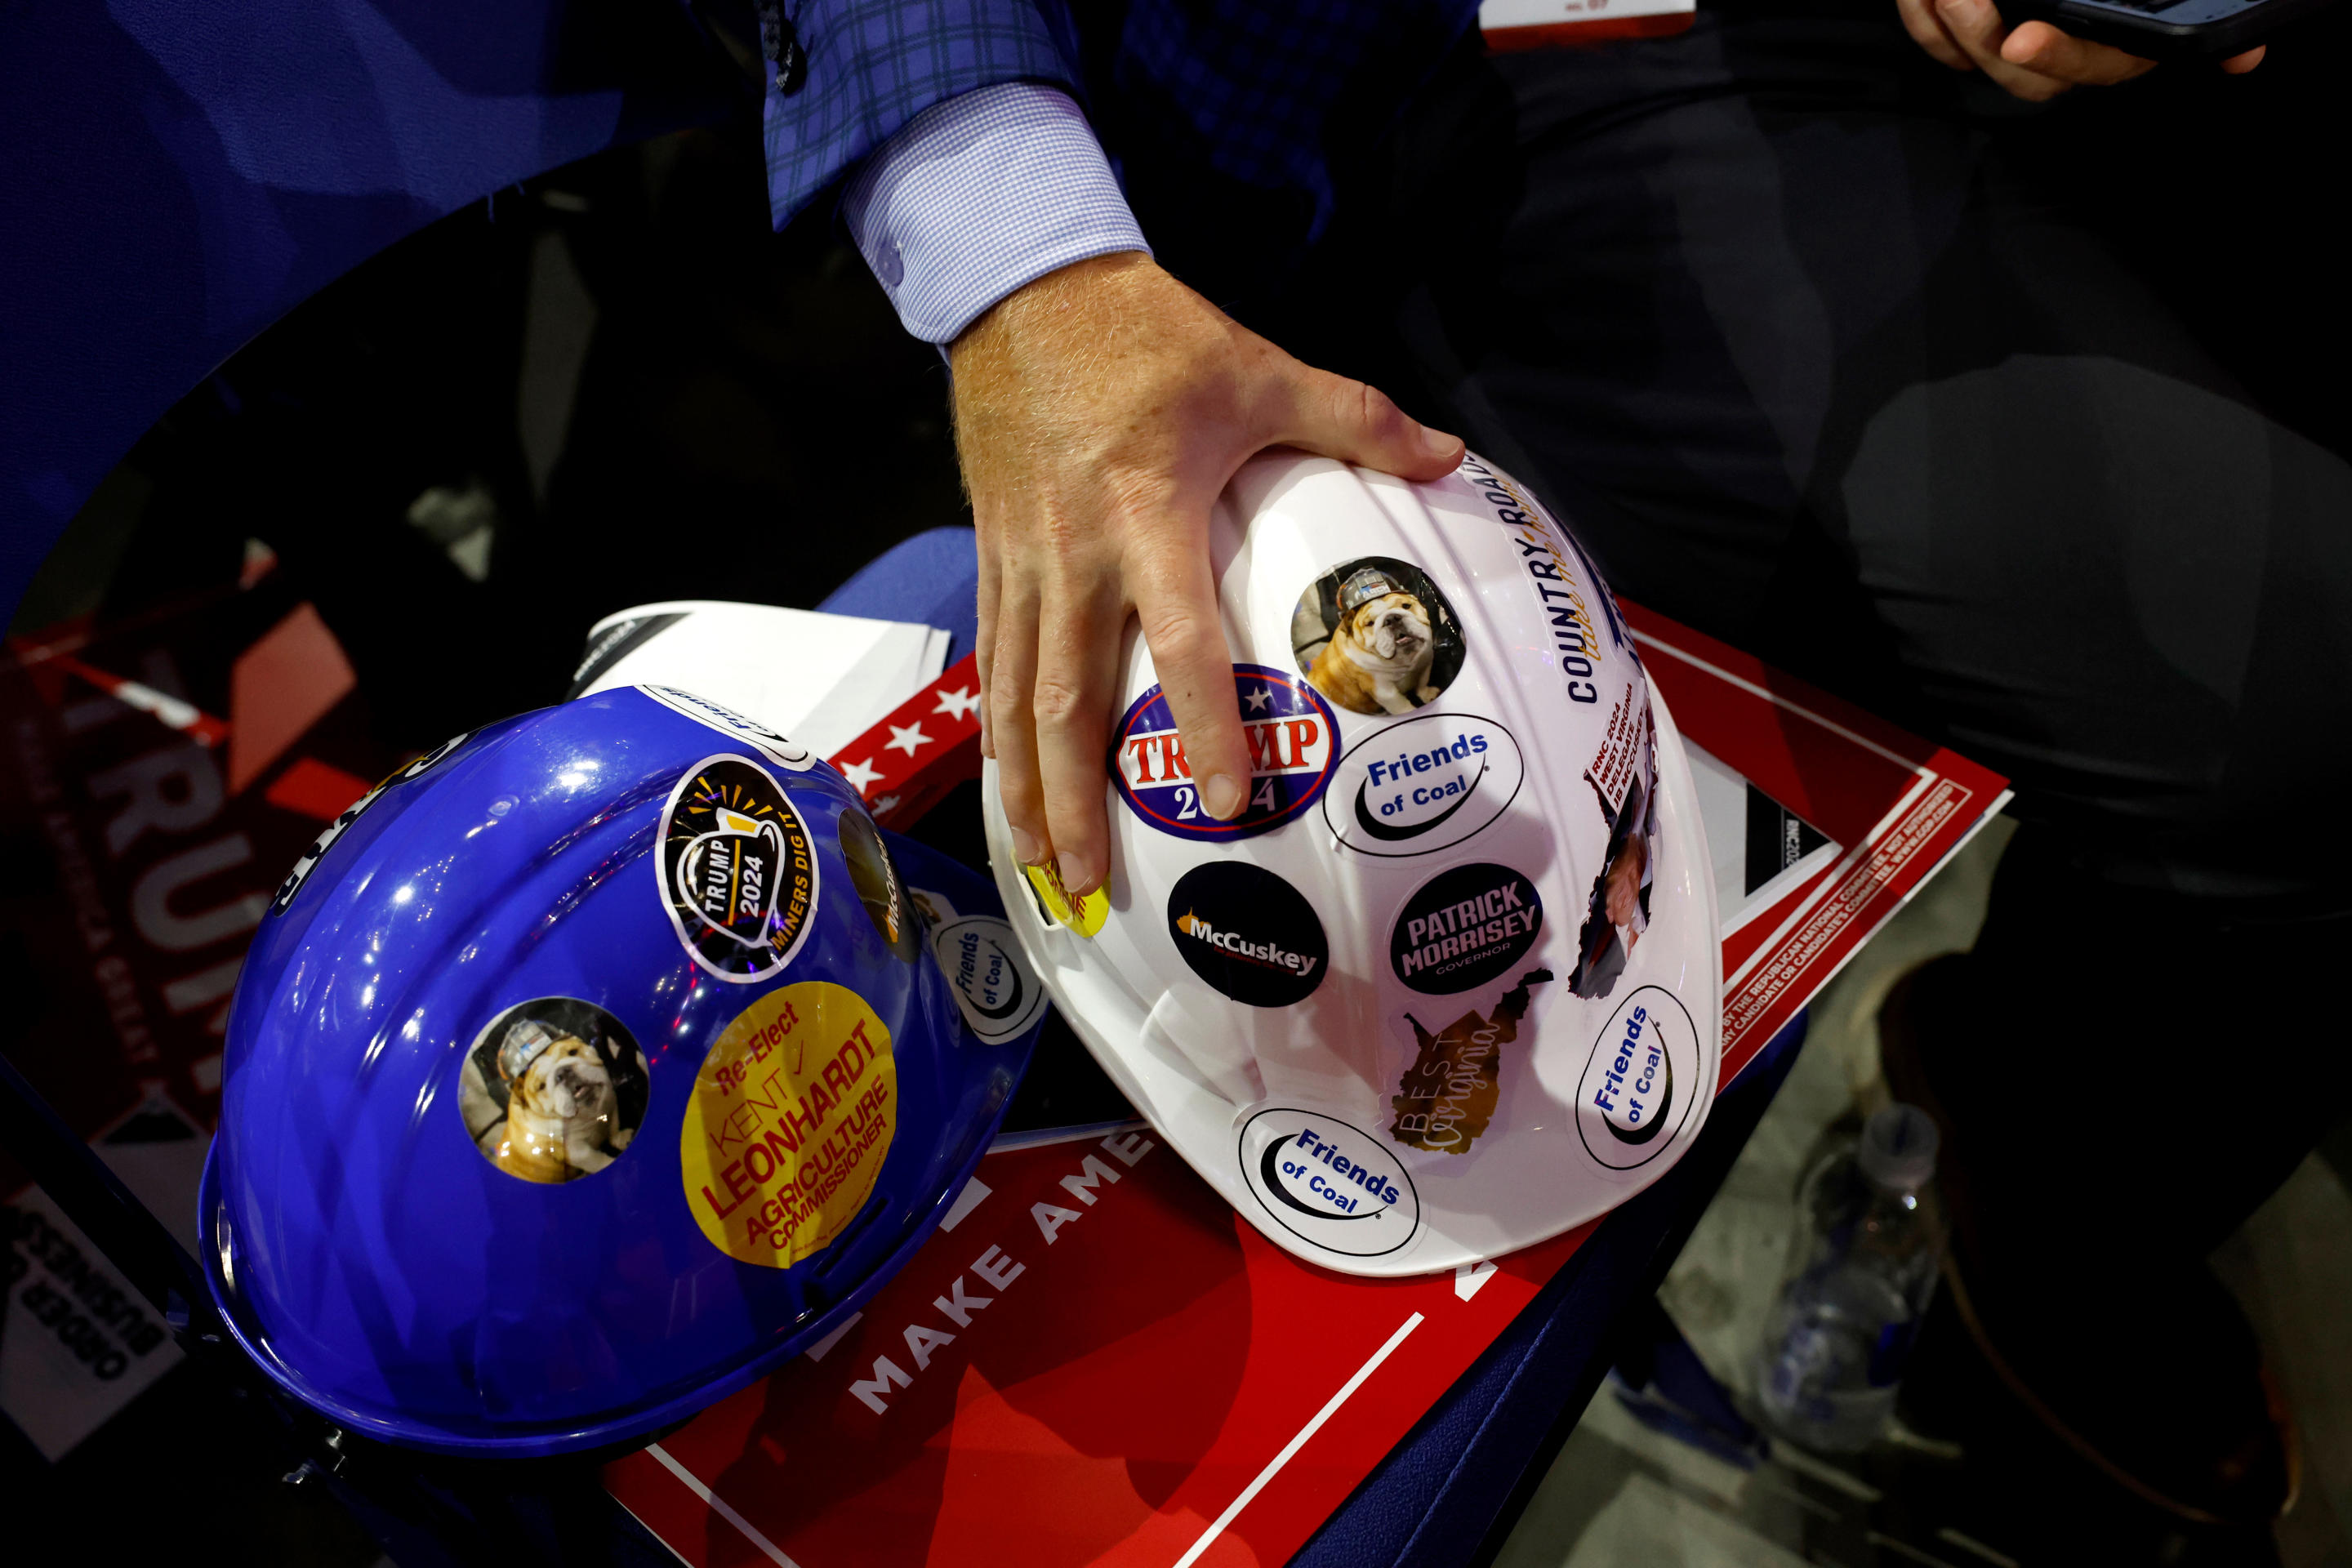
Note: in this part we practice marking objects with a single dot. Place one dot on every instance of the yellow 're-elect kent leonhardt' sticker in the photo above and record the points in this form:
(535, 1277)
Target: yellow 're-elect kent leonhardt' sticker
(791, 1115)
(1084, 916)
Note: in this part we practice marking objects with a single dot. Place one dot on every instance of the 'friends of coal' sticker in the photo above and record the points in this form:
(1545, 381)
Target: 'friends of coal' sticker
(1447, 1096)
(791, 1116)
(736, 872)
(1000, 998)
(1425, 784)
(1293, 744)
(1247, 932)
(1642, 1079)
(1332, 1185)
(772, 745)
(1467, 926)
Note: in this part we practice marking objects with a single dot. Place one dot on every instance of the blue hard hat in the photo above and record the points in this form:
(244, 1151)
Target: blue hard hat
(587, 1068)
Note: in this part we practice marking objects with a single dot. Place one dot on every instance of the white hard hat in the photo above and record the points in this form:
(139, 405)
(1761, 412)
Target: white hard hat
(1450, 983)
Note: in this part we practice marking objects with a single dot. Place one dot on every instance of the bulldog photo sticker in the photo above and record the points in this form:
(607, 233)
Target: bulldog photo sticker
(1375, 635)
(553, 1090)
(738, 875)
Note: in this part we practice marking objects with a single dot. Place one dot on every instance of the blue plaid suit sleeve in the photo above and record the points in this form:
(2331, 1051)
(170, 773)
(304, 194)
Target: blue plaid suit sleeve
(874, 65)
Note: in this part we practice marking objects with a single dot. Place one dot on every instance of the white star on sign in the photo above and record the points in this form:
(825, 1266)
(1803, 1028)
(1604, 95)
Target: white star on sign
(959, 703)
(1257, 699)
(863, 775)
(885, 805)
(907, 739)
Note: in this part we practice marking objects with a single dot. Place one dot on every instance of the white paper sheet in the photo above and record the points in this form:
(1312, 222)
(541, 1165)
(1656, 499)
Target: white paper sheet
(821, 679)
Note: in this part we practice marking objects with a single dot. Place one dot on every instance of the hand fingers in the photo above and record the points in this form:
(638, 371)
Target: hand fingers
(1176, 601)
(1011, 688)
(1920, 21)
(2044, 51)
(1977, 27)
(2239, 65)
(1077, 655)
(1340, 418)
(984, 643)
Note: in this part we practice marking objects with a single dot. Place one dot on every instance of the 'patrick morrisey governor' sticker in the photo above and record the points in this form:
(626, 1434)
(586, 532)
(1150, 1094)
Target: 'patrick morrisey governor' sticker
(1331, 1184)
(1642, 1079)
(735, 870)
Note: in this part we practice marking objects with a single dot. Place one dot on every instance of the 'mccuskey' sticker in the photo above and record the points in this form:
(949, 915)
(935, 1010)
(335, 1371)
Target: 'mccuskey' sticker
(737, 875)
(1642, 1079)
(1425, 784)
(1331, 1184)
(1000, 998)
(1294, 742)
(1247, 932)
(784, 753)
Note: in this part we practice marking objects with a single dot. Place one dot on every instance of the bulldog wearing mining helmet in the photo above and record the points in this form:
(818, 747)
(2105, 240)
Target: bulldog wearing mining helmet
(1379, 657)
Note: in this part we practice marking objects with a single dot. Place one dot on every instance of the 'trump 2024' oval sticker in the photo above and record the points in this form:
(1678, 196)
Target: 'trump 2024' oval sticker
(1294, 748)
(1331, 1184)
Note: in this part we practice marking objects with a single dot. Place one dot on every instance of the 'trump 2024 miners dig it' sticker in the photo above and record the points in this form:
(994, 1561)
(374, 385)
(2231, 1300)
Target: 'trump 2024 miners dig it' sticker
(1642, 1079)
(1331, 1184)
(1423, 785)
(1294, 748)
(981, 958)
(791, 1117)
(737, 874)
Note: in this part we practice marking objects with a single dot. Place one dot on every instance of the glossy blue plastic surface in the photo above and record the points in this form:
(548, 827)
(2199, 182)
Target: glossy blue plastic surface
(385, 1272)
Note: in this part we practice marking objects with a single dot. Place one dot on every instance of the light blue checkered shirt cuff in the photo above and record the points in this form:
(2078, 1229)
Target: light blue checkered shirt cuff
(979, 194)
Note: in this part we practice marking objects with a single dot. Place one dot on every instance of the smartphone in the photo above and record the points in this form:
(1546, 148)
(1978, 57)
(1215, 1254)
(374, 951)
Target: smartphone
(2165, 29)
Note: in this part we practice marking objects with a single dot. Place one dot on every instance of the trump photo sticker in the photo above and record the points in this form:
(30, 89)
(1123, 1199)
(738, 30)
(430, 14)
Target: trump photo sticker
(1624, 780)
(1375, 636)
(553, 1090)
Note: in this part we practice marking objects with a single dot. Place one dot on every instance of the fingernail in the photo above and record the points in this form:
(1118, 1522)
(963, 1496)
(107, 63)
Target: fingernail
(1025, 850)
(1076, 877)
(1223, 797)
(1438, 443)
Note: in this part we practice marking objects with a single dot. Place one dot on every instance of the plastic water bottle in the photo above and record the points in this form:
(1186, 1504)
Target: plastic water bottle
(1861, 1268)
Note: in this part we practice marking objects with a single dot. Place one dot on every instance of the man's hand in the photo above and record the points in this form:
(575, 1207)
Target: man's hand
(2035, 62)
(1099, 412)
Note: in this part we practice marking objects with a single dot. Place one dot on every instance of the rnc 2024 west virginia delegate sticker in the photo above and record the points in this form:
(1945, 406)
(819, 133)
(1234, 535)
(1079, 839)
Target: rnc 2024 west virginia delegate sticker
(737, 874)
(1294, 747)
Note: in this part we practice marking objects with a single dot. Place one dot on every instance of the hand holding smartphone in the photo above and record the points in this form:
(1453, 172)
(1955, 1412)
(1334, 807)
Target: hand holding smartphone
(2165, 29)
